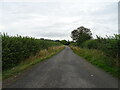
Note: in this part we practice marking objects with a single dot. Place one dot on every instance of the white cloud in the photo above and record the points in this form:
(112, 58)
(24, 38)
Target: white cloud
(56, 19)
(60, 0)
(1, 28)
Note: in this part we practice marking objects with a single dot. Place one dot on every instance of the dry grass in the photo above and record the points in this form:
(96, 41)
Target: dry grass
(43, 54)
(40, 56)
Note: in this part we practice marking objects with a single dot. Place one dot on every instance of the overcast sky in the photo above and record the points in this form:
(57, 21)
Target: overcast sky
(55, 19)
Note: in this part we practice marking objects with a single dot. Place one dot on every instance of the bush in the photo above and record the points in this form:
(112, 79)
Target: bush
(17, 48)
(110, 46)
(91, 44)
(73, 44)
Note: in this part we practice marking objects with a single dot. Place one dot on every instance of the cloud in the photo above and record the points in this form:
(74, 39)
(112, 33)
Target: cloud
(60, 0)
(119, 17)
(56, 19)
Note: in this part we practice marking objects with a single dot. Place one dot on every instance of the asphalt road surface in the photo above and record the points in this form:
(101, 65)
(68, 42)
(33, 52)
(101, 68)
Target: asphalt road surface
(65, 70)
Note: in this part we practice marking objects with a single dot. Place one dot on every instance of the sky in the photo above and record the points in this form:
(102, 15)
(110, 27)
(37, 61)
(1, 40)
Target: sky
(55, 19)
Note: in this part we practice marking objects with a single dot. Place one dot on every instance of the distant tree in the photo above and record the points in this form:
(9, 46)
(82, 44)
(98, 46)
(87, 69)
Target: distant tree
(41, 38)
(65, 42)
(57, 40)
(81, 34)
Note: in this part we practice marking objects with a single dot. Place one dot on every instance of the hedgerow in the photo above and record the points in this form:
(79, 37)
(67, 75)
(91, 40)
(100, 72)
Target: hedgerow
(109, 45)
(17, 48)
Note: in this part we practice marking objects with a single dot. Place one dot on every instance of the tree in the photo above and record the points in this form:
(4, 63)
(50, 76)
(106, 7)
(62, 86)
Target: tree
(75, 35)
(81, 34)
(65, 42)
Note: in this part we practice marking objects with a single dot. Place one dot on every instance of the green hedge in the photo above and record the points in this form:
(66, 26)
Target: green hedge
(91, 44)
(109, 45)
(17, 48)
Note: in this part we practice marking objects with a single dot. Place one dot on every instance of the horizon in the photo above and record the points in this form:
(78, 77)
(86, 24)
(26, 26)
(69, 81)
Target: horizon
(55, 20)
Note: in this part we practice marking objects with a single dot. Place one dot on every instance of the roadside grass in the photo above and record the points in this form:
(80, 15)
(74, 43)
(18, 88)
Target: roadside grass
(99, 59)
(40, 56)
(0, 76)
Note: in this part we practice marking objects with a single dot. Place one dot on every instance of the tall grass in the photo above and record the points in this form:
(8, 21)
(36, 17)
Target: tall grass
(110, 46)
(99, 59)
(15, 49)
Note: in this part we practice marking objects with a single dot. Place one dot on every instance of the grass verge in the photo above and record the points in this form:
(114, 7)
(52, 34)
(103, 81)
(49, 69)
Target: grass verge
(99, 59)
(40, 56)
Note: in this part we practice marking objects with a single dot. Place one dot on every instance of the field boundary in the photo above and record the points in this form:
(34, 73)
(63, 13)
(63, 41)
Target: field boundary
(14, 73)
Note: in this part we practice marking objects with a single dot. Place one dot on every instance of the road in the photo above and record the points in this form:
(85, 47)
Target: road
(65, 70)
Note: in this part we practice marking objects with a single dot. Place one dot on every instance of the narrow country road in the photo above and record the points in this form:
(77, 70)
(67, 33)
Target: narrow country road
(65, 70)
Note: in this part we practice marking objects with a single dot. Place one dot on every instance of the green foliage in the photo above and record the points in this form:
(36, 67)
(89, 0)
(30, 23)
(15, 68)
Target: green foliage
(99, 59)
(73, 44)
(103, 52)
(28, 63)
(110, 46)
(16, 49)
(81, 34)
(91, 44)
(64, 42)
